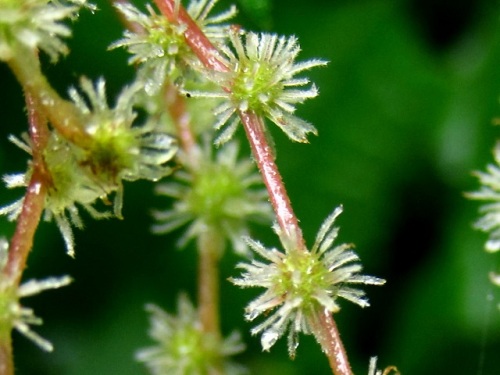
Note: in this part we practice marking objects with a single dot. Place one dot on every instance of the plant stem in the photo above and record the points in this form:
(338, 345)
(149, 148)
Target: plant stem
(176, 106)
(34, 199)
(264, 157)
(210, 244)
(6, 359)
(326, 333)
(210, 247)
(325, 329)
(61, 113)
(195, 38)
(27, 222)
(209, 250)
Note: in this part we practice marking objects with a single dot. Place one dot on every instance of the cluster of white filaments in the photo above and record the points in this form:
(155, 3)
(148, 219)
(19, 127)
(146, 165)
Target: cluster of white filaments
(183, 348)
(300, 284)
(261, 79)
(12, 313)
(490, 192)
(119, 150)
(36, 24)
(159, 46)
(490, 221)
(221, 193)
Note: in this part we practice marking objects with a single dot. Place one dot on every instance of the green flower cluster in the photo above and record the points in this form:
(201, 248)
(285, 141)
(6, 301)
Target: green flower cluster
(159, 47)
(12, 313)
(216, 194)
(183, 348)
(261, 78)
(300, 284)
(36, 24)
(118, 150)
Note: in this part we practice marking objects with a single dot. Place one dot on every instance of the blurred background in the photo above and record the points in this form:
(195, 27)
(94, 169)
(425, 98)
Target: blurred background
(404, 116)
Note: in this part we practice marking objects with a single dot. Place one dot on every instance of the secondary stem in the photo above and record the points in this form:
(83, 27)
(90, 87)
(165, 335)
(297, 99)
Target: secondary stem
(210, 246)
(176, 106)
(61, 113)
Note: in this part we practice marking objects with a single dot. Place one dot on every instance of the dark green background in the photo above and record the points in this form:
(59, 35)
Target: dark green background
(404, 115)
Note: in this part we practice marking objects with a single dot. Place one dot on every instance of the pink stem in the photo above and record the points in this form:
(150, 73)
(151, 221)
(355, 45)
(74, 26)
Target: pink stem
(34, 200)
(27, 222)
(327, 334)
(195, 38)
(176, 106)
(264, 156)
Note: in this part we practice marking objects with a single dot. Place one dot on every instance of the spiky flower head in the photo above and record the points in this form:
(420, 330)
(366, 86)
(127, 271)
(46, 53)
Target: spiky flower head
(68, 187)
(261, 78)
(183, 348)
(300, 284)
(15, 316)
(120, 150)
(217, 194)
(159, 46)
(36, 24)
(490, 193)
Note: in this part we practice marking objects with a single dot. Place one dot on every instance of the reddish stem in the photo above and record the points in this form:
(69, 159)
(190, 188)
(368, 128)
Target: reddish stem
(61, 113)
(264, 156)
(195, 38)
(34, 199)
(176, 106)
(327, 334)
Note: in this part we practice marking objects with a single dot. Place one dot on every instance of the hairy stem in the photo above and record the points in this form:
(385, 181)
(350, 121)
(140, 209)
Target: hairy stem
(264, 157)
(34, 199)
(195, 38)
(61, 113)
(328, 336)
(27, 222)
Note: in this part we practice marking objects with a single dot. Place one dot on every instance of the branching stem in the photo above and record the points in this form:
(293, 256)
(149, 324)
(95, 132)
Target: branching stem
(61, 113)
(210, 246)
